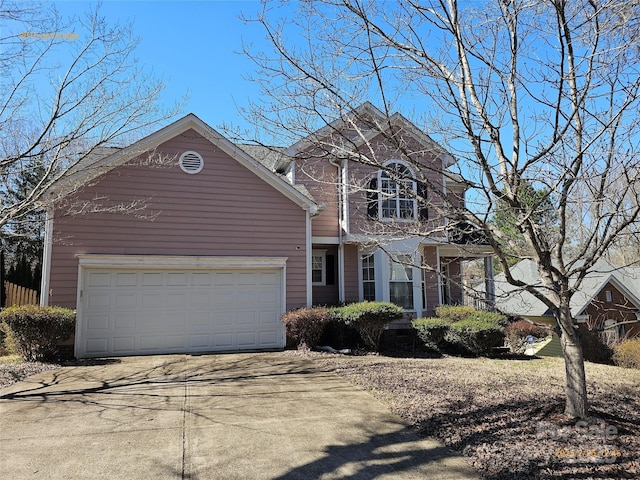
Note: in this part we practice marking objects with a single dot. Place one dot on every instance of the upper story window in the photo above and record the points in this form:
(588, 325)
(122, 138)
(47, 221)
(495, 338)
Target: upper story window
(395, 194)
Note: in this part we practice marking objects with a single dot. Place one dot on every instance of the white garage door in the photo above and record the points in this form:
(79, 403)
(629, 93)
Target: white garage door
(129, 311)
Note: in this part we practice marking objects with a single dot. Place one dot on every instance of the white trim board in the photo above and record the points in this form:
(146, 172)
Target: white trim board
(161, 261)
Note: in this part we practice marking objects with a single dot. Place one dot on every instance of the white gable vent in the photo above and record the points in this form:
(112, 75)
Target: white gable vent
(191, 162)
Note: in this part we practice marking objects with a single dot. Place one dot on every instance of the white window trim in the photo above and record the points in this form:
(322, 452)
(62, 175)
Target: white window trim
(323, 254)
(414, 188)
(361, 258)
(383, 274)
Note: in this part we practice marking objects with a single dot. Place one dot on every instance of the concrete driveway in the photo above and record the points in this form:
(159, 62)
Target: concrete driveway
(244, 416)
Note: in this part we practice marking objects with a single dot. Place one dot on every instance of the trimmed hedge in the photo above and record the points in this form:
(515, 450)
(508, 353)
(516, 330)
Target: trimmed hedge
(477, 334)
(432, 331)
(454, 313)
(627, 353)
(369, 319)
(462, 328)
(305, 325)
(36, 331)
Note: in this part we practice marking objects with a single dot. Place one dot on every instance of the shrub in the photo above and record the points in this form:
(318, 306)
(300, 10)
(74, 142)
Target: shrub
(627, 353)
(594, 347)
(453, 313)
(432, 331)
(518, 331)
(36, 331)
(368, 319)
(478, 333)
(305, 325)
(462, 329)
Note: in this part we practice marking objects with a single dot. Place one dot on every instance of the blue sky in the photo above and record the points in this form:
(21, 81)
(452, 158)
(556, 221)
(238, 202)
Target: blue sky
(194, 46)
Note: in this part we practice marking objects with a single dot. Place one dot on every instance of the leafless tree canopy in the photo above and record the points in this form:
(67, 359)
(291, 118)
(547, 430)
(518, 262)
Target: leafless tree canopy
(541, 93)
(69, 89)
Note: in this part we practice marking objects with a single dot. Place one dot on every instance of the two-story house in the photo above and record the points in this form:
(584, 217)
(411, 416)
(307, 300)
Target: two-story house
(187, 242)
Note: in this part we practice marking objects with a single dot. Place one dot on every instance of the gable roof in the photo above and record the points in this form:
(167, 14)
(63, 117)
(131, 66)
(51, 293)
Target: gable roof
(106, 159)
(382, 124)
(513, 300)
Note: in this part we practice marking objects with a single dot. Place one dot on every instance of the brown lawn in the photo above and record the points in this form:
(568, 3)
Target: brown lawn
(506, 415)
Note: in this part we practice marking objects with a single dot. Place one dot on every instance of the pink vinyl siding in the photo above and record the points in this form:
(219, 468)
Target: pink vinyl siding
(320, 178)
(225, 210)
(351, 273)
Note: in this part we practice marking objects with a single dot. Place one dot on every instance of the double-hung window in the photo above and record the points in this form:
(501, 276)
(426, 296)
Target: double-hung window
(368, 278)
(401, 281)
(319, 267)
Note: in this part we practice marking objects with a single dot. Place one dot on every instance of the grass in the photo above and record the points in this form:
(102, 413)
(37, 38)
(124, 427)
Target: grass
(504, 414)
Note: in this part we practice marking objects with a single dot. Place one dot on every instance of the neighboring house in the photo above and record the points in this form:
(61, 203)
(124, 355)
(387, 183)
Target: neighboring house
(607, 302)
(228, 237)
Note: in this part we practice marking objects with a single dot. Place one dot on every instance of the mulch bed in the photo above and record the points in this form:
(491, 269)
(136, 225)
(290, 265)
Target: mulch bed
(506, 416)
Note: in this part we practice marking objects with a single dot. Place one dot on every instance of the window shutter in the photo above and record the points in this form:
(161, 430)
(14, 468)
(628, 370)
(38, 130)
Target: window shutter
(372, 199)
(331, 270)
(423, 210)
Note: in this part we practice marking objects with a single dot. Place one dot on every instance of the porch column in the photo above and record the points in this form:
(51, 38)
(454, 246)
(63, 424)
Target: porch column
(489, 285)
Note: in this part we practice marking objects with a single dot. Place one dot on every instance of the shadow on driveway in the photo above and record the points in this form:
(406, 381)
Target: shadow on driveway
(262, 416)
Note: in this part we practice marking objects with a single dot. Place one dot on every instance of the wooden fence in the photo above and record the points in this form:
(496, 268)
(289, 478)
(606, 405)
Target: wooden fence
(17, 295)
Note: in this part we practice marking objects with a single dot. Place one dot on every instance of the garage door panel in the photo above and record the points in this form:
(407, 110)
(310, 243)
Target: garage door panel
(224, 278)
(222, 340)
(174, 342)
(153, 300)
(124, 321)
(152, 279)
(177, 279)
(98, 322)
(245, 339)
(224, 297)
(99, 279)
(123, 300)
(97, 345)
(247, 318)
(269, 318)
(127, 311)
(269, 337)
(97, 301)
(177, 300)
(199, 341)
(126, 279)
(123, 345)
(201, 279)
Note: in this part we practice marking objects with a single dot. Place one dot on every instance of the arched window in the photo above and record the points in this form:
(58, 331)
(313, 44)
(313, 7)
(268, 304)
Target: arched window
(395, 194)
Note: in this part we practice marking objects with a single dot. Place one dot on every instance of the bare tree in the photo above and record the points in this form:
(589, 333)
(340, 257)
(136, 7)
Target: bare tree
(541, 94)
(70, 91)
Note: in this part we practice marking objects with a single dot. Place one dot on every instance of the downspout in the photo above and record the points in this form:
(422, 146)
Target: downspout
(46, 258)
(341, 219)
(309, 252)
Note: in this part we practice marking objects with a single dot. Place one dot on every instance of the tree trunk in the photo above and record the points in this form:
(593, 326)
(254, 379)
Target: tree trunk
(576, 386)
